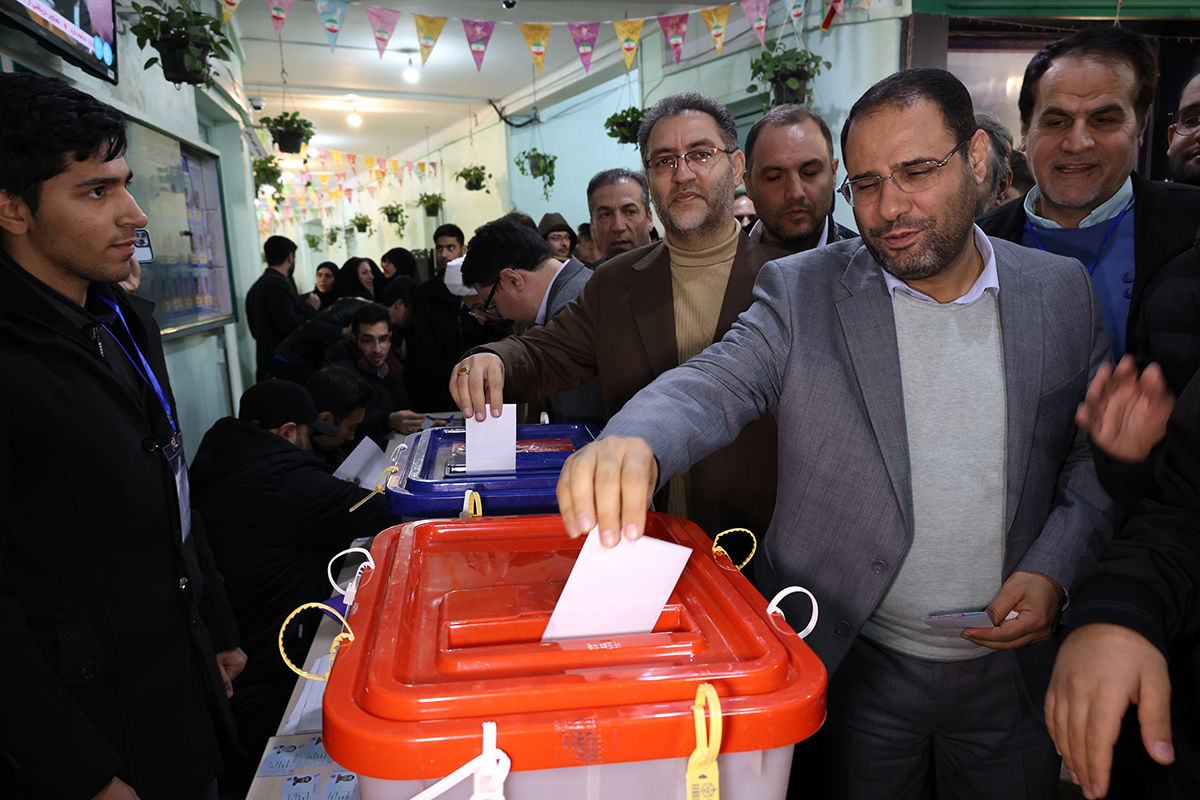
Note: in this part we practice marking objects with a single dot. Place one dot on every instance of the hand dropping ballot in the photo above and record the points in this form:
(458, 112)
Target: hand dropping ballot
(492, 444)
(616, 591)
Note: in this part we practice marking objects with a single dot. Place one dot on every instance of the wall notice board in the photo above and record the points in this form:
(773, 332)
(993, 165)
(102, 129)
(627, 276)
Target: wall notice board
(179, 189)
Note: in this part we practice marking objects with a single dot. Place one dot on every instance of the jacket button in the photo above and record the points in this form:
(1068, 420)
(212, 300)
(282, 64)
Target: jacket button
(87, 673)
(842, 628)
(878, 566)
(149, 445)
(182, 584)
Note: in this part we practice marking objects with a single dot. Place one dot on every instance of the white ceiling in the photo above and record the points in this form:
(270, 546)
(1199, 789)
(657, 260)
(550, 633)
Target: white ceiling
(397, 115)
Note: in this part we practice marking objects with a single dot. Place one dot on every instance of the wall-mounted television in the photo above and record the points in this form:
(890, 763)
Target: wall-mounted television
(81, 31)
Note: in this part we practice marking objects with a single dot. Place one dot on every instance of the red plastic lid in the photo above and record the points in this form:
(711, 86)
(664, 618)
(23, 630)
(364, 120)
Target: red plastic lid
(448, 634)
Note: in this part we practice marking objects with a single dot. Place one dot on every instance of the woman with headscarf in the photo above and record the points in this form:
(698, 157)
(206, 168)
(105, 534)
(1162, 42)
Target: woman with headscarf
(326, 279)
(357, 278)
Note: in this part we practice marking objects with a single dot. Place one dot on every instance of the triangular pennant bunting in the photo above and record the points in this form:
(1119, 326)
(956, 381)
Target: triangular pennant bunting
(628, 33)
(383, 24)
(833, 7)
(756, 12)
(478, 36)
(333, 14)
(674, 28)
(536, 37)
(797, 10)
(428, 31)
(279, 12)
(227, 9)
(584, 35)
(716, 19)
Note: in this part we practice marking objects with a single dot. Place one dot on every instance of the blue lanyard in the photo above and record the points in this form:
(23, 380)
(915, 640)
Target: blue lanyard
(143, 369)
(1091, 267)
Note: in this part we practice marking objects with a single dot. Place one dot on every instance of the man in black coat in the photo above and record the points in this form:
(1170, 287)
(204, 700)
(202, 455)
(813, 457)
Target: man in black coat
(1136, 621)
(110, 606)
(1084, 104)
(275, 515)
(273, 308)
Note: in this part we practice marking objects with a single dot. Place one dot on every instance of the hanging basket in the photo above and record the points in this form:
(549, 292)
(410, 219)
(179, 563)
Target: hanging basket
(392, 217)
(432, 209)
(360, 227)
(172, 56)
(539, 165)
(474, 184)
(288, 141)
(789, 87)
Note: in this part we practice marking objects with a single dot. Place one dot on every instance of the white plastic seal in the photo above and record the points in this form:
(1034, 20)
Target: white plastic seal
(490, 769)
(351, 587)
(773, 607)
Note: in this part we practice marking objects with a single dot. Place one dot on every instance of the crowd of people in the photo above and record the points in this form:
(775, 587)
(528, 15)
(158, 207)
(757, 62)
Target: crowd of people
(968, 404)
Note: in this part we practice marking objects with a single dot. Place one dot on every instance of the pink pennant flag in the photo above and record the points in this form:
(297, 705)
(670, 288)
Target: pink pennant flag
(351, 158)
(383, 24)
(279, 12)
(371, 191)
(349, 194)
(478, 35)
(674, 28)
(584, 35)
(756, 12)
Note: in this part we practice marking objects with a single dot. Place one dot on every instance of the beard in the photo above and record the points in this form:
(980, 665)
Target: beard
(945, 238)
(1184, 166)
(718, 201)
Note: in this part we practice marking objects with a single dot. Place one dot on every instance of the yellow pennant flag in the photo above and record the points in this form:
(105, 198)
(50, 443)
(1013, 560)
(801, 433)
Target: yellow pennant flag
(716, 19)
(337, 156)
(368, 162)
(324, 179)
(628, 33)
(428, 31)
(227, 9)
(335, 194)
(536, 37)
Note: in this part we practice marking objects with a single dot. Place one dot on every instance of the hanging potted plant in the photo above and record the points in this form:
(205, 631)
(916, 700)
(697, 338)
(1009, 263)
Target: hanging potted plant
(474, 177)
(184, 37)
(289, 131)
(331, 236)
(536, 164)
(623, 125)
(362, 223)
(788, 73)
(396, 215)
(313, 240)
(267, 172)
(433, 203)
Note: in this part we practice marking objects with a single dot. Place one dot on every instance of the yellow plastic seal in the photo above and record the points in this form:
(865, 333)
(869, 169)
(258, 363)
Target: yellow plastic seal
(380, 485)
(346, 635)
(718, 550)
(703, 782)
(472, 505)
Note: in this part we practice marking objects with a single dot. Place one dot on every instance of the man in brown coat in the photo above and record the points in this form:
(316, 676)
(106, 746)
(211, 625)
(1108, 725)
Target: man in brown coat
(652, 308)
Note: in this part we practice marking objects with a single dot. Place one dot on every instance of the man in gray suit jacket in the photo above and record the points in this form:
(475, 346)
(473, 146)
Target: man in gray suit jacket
(925, 381)
(512, 267)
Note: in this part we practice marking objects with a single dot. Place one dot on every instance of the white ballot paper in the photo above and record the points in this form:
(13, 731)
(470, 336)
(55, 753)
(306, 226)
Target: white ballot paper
(366, 463)
(616, 591)
(492, 444)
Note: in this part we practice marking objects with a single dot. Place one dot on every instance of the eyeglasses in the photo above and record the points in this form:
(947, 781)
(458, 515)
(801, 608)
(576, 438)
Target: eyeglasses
(908, 179)
(1185, 122)
(665, 165)
(489, 305)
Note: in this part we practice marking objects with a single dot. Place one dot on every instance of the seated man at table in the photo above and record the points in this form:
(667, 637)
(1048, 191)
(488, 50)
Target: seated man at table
(275, 516)
(369, 354)
(341, 398)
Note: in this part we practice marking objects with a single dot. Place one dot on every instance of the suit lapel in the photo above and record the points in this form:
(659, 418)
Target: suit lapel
(651, 299)
(739, 291)
(1022, 331)
(869, 328)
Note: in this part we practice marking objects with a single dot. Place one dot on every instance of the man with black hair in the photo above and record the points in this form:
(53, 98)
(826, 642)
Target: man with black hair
(369, 354)
(789, 175)
(586, 250)
(1085, 100)
(341, 398)
(519, 278)
(1183, 136)
(650, 309)
(273, 308)
(110, 605)
(276, 516)
(925, 379)
(442, 329)
(619, 204)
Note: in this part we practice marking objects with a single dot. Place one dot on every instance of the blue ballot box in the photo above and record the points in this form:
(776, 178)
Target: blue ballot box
(433, 479)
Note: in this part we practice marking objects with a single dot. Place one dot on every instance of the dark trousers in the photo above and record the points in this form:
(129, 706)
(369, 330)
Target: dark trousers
(901, 728)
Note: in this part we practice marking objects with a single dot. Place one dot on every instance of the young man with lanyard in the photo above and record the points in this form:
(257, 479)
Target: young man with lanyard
(1084, 104)
(117, 632)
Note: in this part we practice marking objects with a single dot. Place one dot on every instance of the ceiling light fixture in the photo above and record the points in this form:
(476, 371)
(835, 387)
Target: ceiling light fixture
(411, 74)
(353, 118)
